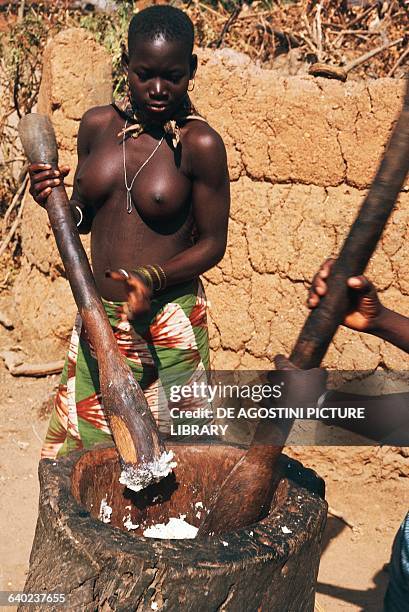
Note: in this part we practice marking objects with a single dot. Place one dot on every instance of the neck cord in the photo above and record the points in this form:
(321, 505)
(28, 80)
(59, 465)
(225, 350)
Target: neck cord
(129, 187)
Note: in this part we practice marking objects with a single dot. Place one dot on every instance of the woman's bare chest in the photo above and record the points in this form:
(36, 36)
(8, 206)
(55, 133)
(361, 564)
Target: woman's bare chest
(147, 168)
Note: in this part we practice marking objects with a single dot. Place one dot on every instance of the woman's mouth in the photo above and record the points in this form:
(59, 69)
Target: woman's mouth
(157, 108)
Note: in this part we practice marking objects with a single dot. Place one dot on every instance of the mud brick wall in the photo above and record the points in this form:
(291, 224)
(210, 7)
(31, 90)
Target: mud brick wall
(302, 153)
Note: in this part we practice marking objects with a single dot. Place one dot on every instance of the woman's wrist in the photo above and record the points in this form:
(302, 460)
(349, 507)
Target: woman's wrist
(153, 276)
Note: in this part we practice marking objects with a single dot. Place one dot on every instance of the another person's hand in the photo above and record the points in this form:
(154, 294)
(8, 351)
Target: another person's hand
(43, 179)
(365, 307)
(303, 387)
(139, 294)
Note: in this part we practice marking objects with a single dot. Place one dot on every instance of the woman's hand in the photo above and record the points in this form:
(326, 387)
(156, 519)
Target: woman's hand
(365, 307)
(139, 294)
(43, 179)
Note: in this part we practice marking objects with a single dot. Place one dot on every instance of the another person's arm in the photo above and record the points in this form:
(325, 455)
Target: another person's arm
(366, 314)
(387, 416)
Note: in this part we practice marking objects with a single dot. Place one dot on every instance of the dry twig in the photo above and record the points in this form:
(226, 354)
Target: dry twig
(15, 201)
(341, 517)
(367, 56)
(15, 365)
(398, 62)
(12, 231)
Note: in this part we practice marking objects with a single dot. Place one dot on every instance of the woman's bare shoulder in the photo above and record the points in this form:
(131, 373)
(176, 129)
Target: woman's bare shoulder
(200, 137)
(98, 116)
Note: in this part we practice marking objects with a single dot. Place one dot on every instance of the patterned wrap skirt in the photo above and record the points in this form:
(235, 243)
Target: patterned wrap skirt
(168, 344)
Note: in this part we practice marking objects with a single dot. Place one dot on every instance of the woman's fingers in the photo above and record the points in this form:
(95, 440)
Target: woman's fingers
(38, 177)
(38, 167)
(117, 275)
(39, 187)
(138, 293)
(43, 179)
(43, 195)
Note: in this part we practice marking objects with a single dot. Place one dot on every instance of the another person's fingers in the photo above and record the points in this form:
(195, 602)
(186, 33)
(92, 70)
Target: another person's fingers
(361, 283)
(326, 267)
(318, 285)
(318, 289)
(281, 362)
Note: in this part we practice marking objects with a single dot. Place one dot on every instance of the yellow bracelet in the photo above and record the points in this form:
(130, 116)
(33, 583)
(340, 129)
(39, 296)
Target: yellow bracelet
(145, 275)
(165, 280)
(154, 270)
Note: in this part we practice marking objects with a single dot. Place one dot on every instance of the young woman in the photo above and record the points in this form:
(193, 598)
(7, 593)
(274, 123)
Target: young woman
(152, 186)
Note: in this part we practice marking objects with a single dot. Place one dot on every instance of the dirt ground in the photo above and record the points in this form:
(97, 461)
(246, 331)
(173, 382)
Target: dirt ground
(352, 574)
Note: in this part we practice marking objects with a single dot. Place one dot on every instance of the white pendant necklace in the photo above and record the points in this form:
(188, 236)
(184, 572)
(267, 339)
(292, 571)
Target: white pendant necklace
(129, 187)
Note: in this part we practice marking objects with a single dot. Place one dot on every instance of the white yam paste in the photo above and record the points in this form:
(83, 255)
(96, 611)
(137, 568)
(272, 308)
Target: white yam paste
(105, 511)
(137, 478)
(127, 521)
(175, 529)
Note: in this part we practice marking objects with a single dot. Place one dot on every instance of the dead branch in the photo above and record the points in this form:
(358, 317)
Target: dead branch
(320, 69)
(291, 40)
(15, 365)
(12, 231)
(16, 199)
(218, 43)
(341, 517)
(367, 56)
(398, 62)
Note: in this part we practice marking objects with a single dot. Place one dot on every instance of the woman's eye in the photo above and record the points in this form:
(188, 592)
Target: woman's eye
(142, 76)
(174, 78)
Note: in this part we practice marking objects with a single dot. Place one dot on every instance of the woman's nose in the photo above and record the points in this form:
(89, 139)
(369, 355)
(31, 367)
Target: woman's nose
(158, 89)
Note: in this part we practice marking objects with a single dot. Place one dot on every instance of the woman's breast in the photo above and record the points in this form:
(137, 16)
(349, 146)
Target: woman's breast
(160, 191)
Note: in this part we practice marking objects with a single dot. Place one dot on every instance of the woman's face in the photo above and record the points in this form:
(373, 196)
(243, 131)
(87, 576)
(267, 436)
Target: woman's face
(158, 76)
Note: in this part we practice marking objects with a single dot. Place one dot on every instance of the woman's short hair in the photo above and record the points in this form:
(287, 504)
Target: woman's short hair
(161, 21)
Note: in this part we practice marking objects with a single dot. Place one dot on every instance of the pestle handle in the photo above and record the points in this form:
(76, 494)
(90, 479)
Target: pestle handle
(38, 139)
(323, 322)
(132, 424)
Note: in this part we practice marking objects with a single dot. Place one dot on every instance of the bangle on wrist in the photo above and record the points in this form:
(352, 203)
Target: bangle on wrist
(145, 276)
(164, 280)
(81, 216)
(153, 276)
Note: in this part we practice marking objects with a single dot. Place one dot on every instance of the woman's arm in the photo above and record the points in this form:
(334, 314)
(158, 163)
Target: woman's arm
(43, 179)
(210, 206)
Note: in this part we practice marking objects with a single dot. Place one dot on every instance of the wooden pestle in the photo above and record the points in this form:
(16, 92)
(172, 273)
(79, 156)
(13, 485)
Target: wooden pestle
(133, 427)
(247, 490)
